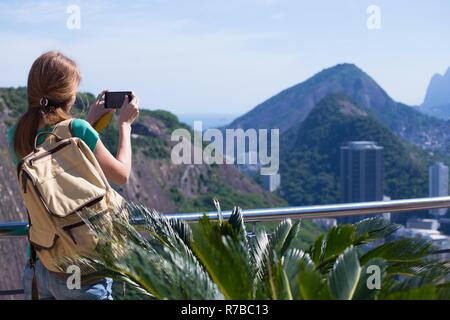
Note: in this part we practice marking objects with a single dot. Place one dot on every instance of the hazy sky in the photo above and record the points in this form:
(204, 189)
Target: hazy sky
(226, 56)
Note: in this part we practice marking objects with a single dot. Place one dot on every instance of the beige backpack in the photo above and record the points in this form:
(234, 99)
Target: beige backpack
(58, 180)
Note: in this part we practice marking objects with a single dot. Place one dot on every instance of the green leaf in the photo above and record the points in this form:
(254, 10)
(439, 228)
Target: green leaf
(428, 292)
(236, 221)
(280, 287)
(345, 275)
(426, 269)
(376, 228)
(225, 256)
(403, 250)
(267, 258)
(326, 249)
(315, 251)
(311, 283)
(338, 239)
(291, 266)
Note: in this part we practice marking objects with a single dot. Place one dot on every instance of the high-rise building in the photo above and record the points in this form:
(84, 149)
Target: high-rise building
(438, 185)
(362, 172)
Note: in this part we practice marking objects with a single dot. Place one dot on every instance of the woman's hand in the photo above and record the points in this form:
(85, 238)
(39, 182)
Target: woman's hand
(97, 109)
(130, 110)
(118, 169)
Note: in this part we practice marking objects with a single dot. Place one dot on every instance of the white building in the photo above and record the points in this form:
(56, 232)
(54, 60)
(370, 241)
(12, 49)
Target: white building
(387, 215)
(438, 185)
(325, 223)
(429, 224)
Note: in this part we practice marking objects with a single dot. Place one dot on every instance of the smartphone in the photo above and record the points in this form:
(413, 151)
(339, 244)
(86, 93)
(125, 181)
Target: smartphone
(114, 99)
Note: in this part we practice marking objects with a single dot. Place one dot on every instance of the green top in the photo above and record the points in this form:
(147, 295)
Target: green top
(80, 129)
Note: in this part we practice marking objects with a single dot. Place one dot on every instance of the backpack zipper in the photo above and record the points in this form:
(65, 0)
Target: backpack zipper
(19, 166)
(47, 153)
(69, 227)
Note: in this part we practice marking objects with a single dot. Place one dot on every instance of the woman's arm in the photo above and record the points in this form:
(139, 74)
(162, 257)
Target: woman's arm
(118, 169)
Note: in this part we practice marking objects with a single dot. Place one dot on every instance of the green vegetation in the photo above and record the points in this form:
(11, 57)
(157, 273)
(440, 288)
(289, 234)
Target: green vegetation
(15, 99)
(169, 120)
(152, 147)
(216, 189)
(310, 155)
(307, 234)
(216, 260)
(83, 102)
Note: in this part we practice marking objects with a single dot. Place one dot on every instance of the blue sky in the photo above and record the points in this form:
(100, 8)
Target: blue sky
(217, 56)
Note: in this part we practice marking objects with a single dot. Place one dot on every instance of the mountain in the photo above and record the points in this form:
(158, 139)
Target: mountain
(310, 154)
(292, 106)
(439, 111)
(154, 181)
(437, 98)
(438, 92)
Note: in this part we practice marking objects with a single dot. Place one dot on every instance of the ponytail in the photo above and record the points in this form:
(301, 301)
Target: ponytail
(52, 85)
(28, 124)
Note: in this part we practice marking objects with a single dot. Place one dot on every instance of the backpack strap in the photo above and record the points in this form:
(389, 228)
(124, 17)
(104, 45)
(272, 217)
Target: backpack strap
(32, 263)
(64, 129)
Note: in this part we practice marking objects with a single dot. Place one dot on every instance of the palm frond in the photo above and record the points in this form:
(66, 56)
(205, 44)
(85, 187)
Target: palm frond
(345, 275)
(236, 221)
(267, 254)
(327, 248)
(376, 228)
(429, 270)
(163, 258)
(311, 283)
(220, 249)
(403, 250)
(291, 265)
(161, 262)
(427, 292)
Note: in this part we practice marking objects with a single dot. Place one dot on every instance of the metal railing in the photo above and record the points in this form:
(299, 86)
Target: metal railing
(20, 229)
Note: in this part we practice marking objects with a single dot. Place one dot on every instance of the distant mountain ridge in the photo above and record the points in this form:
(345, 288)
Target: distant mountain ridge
(310, 154)
(437, 98)
(438, 91)
(440, 111)
(293, 105)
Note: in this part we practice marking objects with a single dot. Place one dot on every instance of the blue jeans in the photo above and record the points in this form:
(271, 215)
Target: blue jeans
(52, 287)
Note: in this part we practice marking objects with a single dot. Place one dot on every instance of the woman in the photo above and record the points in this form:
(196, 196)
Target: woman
(52, 87)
